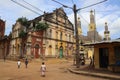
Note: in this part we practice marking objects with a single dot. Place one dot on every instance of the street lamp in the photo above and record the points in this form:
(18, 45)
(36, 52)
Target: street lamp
(75, 10)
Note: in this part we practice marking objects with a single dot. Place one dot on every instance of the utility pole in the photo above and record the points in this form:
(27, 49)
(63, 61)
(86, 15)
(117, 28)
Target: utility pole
(75, 10)
(77, 37)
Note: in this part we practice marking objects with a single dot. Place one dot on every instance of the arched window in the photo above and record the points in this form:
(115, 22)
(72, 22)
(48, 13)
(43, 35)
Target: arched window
(37, 46)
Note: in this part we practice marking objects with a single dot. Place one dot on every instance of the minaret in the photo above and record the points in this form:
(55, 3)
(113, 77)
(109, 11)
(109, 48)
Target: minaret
(79, 26)
(92, 33)
(106, 32)
(92, 25)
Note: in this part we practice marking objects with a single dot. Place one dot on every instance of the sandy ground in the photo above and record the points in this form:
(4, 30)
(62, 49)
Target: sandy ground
(56, 70)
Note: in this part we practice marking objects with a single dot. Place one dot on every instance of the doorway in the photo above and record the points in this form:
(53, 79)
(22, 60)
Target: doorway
(37, 51)
(103, 57)
(61, 52)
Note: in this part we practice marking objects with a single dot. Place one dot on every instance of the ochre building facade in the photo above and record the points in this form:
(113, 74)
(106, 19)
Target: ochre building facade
(56, 41)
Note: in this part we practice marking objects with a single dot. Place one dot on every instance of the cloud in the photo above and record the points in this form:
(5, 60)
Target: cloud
(90, 2)
(105, 12)
(115, 27)
(6, 3)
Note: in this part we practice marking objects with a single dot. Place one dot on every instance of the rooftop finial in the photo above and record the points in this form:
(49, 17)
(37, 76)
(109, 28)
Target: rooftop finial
(105, 23)
(78, 18)
(91, 11)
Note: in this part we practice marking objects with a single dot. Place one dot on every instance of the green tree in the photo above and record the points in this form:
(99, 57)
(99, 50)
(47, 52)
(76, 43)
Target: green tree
(22, 34)
(23, 21)
(41, 26)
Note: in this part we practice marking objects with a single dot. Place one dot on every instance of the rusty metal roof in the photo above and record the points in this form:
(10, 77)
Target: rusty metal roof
(102, 42)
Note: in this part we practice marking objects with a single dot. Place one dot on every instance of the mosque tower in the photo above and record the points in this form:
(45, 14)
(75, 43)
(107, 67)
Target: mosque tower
(92, 33)
(106, 32)
(92, 25)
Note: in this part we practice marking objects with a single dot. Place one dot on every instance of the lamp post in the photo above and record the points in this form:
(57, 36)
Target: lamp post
(75, 10)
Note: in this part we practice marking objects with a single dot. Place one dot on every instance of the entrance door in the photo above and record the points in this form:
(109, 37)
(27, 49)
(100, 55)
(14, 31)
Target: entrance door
(36, 51)
(61, 52)
(103, 57)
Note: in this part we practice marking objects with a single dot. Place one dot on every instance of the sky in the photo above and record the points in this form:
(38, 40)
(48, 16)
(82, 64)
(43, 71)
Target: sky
(108, 11)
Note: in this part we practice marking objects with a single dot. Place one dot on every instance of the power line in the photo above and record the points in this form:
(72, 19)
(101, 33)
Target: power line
(92, 5)
(32, 6)
(115, 10)
(25, 7)
(84, 19)
(29, 8)
(62, 4)
(103, 16)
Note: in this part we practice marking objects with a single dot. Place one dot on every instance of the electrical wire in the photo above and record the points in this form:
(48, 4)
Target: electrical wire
(62, 4)
(83, 18)
(32, 6)
(34, 11)
(29, 8)
(25, 7)
(91, 5)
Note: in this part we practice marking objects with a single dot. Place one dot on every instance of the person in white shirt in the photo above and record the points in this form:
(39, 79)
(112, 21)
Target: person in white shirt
(43, 69)
(18, 63)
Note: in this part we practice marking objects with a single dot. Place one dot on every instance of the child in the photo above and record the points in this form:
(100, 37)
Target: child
(26, 63)
(43, 69)
(18, 63)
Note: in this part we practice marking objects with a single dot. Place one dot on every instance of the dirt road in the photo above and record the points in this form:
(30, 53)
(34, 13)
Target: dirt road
(56, 70)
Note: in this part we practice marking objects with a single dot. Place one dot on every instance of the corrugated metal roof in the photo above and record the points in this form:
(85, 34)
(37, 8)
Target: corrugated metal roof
(103, 42)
